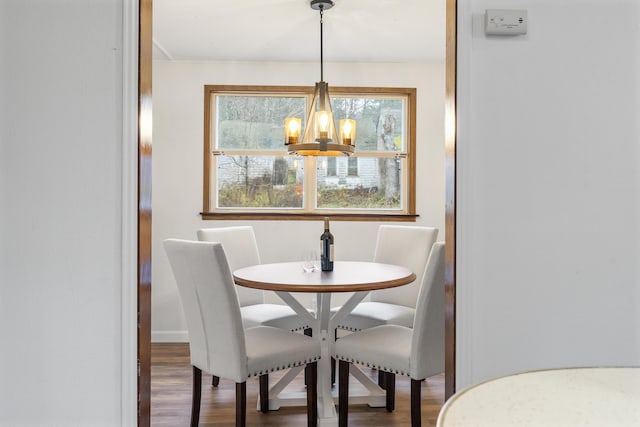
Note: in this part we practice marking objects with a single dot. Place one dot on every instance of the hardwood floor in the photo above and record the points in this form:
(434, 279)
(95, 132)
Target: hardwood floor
(171, 398)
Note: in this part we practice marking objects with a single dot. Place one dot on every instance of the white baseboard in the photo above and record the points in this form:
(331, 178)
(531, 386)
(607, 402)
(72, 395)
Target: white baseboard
(169, 336)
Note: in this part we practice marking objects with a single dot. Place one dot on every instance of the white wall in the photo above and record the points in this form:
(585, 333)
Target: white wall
(549, 189)
(61, 99)
(177, 164)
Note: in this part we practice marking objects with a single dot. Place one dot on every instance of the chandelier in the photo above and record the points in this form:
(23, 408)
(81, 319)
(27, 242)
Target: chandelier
(320, 137)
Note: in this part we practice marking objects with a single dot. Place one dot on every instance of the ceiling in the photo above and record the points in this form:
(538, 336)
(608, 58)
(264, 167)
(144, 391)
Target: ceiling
(289, 30)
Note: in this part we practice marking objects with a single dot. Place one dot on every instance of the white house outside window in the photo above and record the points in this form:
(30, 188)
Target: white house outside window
(248, 173)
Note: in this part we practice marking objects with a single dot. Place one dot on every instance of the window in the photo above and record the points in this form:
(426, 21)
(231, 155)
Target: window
(332, 170)
(248, 173)
(352, 166)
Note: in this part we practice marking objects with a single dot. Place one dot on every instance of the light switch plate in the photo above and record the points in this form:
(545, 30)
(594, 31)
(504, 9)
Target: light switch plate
(505, 22)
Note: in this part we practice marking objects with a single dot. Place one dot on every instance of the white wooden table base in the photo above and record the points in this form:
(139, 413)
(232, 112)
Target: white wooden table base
(348, 276)
(324, 325)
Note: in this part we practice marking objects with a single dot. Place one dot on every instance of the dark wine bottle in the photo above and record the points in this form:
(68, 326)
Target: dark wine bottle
(326, 248)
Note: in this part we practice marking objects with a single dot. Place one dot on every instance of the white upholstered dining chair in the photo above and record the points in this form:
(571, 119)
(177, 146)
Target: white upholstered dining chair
(408, 246)
(241, 248)
(417, 352)
(218, 342)
(405, 245)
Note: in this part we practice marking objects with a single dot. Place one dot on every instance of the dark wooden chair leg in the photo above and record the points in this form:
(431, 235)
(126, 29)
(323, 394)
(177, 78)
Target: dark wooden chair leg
(416, 390)
(333, 361)
(241, 404)
(390, 387)
(215, 380)
(311, 371)
(264, 393)
(343, 393)
(195, 396)
(381, 378)
(308, 332)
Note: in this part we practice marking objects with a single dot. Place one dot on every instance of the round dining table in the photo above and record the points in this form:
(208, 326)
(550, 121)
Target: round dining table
(347, 276)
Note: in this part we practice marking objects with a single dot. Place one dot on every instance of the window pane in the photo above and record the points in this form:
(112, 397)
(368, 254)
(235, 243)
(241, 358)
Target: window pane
(353, 166)
(254, 122)
(379, 121)
(377, 184)
(332, 166)
(259, 181)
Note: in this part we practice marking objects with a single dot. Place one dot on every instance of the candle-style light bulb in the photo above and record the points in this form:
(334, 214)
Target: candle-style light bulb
(323, 124)
(348, 131)
(292, 130)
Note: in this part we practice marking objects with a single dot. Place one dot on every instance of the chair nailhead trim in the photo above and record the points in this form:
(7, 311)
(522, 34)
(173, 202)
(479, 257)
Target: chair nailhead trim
(280, 368)
(349, 328)
(370, 365)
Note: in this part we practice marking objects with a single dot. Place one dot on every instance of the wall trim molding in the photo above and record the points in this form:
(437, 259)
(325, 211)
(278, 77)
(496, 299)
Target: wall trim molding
(169, 336)
(129, 243)
(464, 277)
(451, 105)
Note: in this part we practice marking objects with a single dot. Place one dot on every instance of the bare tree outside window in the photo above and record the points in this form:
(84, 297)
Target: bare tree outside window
(389, 168)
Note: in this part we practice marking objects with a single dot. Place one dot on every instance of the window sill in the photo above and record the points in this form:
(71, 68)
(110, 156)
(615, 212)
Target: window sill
(258, 216)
